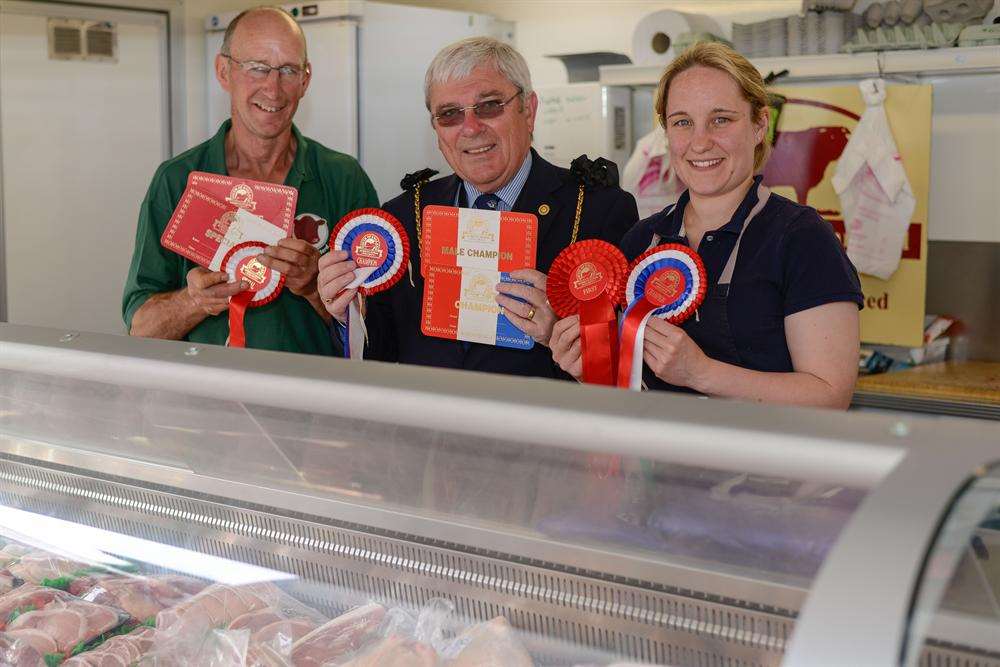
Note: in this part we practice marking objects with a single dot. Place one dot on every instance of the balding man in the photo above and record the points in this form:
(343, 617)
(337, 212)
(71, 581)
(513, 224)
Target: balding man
(264, 68)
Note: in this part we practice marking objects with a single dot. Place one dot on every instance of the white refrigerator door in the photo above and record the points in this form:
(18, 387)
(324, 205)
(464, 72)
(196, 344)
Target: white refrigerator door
(80, 141)
(328, 112)
(396, 44)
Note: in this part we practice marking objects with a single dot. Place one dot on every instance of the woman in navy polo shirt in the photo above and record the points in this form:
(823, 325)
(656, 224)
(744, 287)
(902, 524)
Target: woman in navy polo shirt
(780, 319)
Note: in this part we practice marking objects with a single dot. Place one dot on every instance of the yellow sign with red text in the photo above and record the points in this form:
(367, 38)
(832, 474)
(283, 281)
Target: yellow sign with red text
(814, 128)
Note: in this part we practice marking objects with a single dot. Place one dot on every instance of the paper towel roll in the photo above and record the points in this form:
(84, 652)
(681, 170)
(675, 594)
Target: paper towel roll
(993, 17)
(654, 35)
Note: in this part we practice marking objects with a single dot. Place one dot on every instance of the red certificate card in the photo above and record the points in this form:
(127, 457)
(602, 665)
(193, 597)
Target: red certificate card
(477, 239)
(274, 203)
(207, 210)
(197, 226)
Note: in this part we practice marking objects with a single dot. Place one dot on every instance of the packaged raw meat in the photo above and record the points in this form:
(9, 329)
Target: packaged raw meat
(233, 626)
(217, 606)
(255, 620)
(8, 582)
(490, 644)
(70, 622)
(41, 567)
(396, 652)
(338, 638)
(188, 585)
(41, 642)
(10, 552)
(274, 630)
(29, 597)
(119, 651)
(16, 651)
(142, 597)
(210, 648)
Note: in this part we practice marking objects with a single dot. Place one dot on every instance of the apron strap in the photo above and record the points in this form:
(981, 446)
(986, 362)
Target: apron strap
(763, 194)
(655, 240)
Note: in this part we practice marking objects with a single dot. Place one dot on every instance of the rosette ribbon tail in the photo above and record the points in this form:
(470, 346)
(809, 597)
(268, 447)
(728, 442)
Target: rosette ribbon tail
(237, 316)
(633, 331)
(599, 340)
(357, 332)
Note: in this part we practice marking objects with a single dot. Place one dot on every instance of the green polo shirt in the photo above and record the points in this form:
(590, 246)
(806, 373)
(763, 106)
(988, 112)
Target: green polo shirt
(330, 185)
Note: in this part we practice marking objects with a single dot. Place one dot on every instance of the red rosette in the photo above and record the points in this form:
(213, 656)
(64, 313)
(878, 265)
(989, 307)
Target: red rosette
(584, 271)
(265, 285)
(588, 279)
(379, 245)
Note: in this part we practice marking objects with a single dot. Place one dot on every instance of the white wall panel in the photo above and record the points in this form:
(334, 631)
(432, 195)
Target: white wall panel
(80, 141)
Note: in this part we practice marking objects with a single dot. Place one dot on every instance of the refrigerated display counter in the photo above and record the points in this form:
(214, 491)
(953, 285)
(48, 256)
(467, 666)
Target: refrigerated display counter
(603, 526)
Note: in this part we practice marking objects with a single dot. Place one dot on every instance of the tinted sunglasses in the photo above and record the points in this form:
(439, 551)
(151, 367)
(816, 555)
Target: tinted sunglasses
(484, 111)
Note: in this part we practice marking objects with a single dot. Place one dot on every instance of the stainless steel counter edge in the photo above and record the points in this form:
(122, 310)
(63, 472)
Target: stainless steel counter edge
(793, 442)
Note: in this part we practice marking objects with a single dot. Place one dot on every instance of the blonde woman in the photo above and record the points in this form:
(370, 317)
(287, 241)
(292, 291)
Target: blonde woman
(780, 324)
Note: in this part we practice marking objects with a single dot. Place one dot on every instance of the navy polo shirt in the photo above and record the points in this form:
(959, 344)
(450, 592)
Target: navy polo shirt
(789, 260)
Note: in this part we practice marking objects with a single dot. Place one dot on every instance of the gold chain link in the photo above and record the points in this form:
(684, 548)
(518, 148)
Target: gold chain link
(416, 214)
(576, 218)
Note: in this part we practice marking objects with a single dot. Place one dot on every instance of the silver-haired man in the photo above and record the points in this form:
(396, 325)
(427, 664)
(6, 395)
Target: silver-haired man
(482, 107)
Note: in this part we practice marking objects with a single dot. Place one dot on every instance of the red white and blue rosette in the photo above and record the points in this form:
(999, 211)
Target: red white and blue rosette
(588, 279)
(241, 263)
(667, 282)
(380, 248)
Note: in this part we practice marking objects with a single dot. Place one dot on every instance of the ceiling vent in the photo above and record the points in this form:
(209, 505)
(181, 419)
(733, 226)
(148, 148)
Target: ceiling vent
(74, 39)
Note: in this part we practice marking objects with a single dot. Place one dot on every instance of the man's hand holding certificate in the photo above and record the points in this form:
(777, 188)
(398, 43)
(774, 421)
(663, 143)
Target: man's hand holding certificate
(224, 223)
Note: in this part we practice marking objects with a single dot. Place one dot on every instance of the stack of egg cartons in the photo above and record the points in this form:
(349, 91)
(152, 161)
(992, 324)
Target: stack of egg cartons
(764, 39)
(776, 32)
(819, 33)
(795, 27)
(743, 38)
(837, 29)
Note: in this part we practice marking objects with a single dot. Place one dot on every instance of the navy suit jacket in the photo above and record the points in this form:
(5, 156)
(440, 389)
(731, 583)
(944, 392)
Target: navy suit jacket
(393, 316)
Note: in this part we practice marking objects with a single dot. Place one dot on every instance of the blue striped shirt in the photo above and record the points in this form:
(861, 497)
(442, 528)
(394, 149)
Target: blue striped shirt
(509, 193)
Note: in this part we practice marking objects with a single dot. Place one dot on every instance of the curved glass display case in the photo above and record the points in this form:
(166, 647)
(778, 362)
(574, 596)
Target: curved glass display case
(456, 517)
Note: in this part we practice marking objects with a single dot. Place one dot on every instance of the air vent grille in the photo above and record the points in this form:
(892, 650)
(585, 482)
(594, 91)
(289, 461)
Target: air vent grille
(75, 39)
(101, 40)
(66, 42)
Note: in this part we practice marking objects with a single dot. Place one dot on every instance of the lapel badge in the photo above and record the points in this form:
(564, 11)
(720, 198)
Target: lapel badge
(544, 209)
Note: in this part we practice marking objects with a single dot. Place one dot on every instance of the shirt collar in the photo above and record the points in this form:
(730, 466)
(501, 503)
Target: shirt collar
(670, 225)
(508, 193)
(215, 156)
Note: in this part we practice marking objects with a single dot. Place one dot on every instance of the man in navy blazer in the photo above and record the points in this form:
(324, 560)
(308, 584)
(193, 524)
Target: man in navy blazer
(478, 92)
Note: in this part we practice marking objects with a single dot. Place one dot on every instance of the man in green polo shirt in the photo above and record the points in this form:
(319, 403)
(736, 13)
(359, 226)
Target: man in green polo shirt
(264, 68)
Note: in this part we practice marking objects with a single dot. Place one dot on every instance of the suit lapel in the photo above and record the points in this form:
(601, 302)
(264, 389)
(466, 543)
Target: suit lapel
(538, 194)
